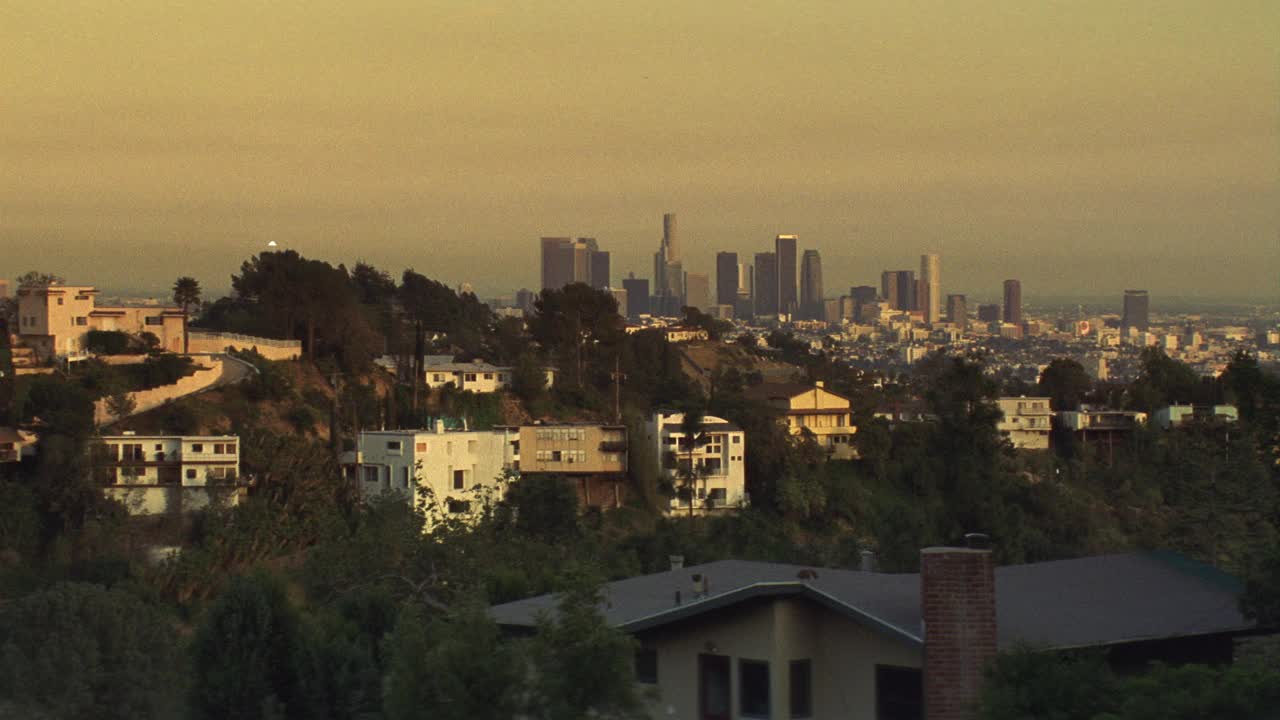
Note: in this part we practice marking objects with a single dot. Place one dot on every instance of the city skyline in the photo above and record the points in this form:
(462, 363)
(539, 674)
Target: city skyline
(1068, 145)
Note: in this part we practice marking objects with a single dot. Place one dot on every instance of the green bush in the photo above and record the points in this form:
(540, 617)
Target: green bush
(109, 342)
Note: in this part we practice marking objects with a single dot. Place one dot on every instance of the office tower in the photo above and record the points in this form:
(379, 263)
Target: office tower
(918, 298)
(697, 290)
(889, 288)
(931, 274)
(525, 298)
(830, 310)
(958, 311)
(600, 270)
(766, 275)
(989, 313)
(862, 295)
(784, 250)
(668, 272)
(1136, 310)
(900, 289)
(565, 260)
(811, 305)
(1013, 302)
(620, 295)
(637, 296)
(848, 310)
(743, 306)
(727, 280)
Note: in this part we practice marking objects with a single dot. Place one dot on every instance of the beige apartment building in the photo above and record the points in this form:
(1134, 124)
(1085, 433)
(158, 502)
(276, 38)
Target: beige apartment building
(1025, 421)
(592, 456)
(54, 320)
(163, 474)
(811, 410)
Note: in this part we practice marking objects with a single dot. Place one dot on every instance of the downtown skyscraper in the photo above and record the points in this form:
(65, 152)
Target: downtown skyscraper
(1012, 302)
(727, 279)
(784, 250)
(931, 284)
(1137, 310)
(668, 271)
(766, 290)
(811, 305)
(566, 260)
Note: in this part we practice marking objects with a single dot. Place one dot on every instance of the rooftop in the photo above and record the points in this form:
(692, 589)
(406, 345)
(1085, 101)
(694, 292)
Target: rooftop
(1086, 602)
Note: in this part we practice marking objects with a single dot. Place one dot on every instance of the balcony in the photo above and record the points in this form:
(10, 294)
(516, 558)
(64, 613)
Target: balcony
(613, 446)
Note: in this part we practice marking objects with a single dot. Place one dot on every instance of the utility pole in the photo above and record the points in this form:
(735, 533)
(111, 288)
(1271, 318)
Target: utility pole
(617, 388)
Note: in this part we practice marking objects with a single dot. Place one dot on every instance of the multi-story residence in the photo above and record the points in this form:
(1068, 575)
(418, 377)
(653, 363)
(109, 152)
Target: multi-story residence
(1026, 421)
(450, 471)
(162, 474)
(1167, 417)
(479, 377)
(593, 457)
(714, 457)
(811, 411)
(15, 444)
(54, 319)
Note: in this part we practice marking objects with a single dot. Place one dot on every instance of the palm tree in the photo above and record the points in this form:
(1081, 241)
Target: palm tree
(691, 426)
(186, 292)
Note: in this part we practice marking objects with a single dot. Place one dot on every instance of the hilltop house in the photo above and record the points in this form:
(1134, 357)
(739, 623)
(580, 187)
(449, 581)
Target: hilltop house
(735, 639)
(811, 410)
(1025, 421)
(54, 319)
(592, 456)
(162, 474)
(714, 456)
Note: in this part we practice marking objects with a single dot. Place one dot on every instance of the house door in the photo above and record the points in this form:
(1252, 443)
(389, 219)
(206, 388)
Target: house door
(714, 696)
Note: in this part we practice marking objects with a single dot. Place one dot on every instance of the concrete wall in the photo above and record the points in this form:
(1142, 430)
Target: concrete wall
(211, 371)
(843, 657)
(201, 341)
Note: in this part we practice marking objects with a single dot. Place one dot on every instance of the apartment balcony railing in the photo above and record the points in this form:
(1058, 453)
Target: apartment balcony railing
(613, 446)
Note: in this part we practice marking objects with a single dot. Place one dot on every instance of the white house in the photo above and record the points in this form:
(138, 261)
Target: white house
(478, 376)
(1026, 421)
(160, 474)
(718, 461)
(453, 468)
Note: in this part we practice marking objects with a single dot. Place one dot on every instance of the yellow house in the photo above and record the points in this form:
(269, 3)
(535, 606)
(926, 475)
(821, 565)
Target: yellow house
(812, 410)
(54, 319)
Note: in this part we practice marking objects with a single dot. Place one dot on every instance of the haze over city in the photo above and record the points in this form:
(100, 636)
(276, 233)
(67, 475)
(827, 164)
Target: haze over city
(1082, 147)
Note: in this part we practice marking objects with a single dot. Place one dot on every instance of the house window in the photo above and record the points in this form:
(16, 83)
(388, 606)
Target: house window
(753, 688)
(404, 478)
(154, 321)
(647, 666)
(421, 447)
(371, 473)
(556, 456)
(197, 448)
(82, 321)
(459, 479)
(393, 445)
(191, 473)
(801, 689)
(59, 301)
(488, 376)
(718, 497)
(459, 506)
(899, 693)
(737, 439)
(469, 377)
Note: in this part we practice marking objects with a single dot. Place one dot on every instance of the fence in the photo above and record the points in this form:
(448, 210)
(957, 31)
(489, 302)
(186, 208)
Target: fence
(200, 341)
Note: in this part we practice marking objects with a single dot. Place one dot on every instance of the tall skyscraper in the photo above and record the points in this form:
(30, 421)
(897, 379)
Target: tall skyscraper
(600, 269)
(811, 305)
(565, 260)
(931, 274)
(862, 295)
(744, 307)
(1013, 302)
(727, 280)
(697, 290)
(668, 272)
(889, 288)
(784, 249)
(637, 296)
(903, 286)
(1136, 310)
(958, 311)
(766, 274)
(989, 313)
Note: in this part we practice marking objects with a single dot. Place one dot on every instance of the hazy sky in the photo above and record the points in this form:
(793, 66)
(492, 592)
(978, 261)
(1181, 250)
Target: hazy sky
(1080, 146)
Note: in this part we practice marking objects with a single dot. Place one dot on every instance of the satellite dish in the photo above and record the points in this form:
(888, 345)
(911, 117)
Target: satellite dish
(271, 244)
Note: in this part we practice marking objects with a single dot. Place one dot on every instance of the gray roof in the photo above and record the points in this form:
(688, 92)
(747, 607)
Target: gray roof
(1086, 602)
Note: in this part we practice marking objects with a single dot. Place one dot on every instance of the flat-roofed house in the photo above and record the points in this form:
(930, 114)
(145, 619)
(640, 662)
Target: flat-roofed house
(164, 474)
(54, 319)
(590, 455)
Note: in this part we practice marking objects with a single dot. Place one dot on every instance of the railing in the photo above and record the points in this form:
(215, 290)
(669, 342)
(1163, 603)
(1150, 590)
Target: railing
(245, 339)
(613, 446)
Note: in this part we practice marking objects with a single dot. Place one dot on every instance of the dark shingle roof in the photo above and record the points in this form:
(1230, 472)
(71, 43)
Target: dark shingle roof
(1068, 603)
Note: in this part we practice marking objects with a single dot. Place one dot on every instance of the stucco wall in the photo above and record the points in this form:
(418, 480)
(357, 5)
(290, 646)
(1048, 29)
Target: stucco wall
(201, 341)
(145, 400)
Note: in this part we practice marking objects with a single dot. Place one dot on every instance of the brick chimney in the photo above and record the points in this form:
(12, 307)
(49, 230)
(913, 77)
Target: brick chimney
(958, 607)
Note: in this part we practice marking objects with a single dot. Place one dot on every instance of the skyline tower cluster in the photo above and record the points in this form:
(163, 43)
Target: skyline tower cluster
(780, 284)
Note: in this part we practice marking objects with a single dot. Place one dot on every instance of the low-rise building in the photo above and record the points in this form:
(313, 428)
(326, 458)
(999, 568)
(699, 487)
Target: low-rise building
(712, 460)
(166, 474)
(54, 320)
(1172, 415)
(811, 410)
(450, 473)
(478, 376)
(15, 444)
(1025, 421)
(739, 639)
(592, 456)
